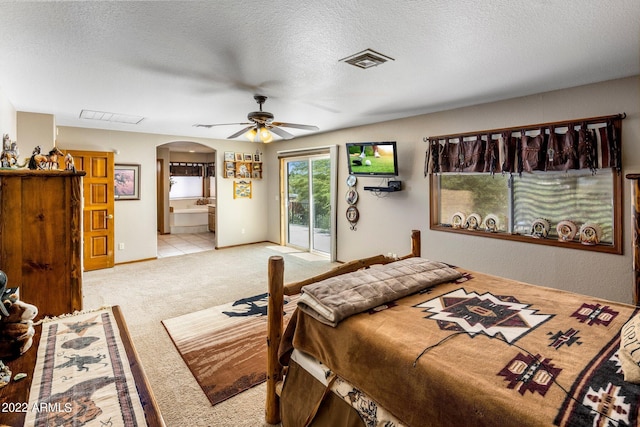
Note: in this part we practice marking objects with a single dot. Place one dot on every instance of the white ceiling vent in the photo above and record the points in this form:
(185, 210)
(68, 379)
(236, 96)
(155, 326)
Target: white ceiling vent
(110, 117)
(366, 59)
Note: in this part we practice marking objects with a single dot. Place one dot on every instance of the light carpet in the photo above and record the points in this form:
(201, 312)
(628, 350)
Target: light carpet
(225, 346)
(151, 291)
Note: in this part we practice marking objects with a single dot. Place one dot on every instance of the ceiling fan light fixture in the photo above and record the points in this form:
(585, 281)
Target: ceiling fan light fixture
(265, 135)
(251, 134)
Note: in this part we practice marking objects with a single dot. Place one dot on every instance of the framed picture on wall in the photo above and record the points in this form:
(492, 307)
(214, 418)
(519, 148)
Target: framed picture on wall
(241, 189)
(127, 182)
(228, 156)
(238, 157)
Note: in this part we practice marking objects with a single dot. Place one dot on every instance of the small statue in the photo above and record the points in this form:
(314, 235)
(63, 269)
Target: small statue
(69, 163)
(10, 153)
(45, 161)
(32, 162)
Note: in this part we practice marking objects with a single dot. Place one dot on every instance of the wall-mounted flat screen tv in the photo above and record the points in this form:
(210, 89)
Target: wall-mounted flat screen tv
(372, 158)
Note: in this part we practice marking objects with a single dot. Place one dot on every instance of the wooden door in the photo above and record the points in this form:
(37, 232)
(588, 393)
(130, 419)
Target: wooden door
(97, 214)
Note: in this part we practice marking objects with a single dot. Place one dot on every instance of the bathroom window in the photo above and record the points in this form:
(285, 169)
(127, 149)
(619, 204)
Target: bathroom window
(191, 180)
(186, 187)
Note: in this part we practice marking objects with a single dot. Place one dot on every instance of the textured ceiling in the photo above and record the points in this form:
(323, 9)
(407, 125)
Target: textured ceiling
(180, 63)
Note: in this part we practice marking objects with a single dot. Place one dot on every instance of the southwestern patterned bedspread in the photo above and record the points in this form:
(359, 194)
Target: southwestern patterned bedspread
(482, 351)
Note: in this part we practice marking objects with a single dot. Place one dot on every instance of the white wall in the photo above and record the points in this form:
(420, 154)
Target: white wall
(8, 118)
(385, 223)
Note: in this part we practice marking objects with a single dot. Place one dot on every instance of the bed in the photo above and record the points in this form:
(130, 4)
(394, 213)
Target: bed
(472, 349)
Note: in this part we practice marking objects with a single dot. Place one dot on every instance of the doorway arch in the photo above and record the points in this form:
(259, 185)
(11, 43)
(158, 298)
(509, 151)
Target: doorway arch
(178, 151)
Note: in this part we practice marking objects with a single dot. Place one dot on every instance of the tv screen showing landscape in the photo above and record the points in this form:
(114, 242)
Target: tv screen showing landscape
(372, 158)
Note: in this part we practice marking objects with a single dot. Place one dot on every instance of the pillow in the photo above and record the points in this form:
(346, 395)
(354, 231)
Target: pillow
(629, 353)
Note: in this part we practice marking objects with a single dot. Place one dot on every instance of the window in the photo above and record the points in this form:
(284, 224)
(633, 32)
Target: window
(186, 186)
(470, 193)
(481, 187)
(190, 180)
(579, 197)
(515, 202)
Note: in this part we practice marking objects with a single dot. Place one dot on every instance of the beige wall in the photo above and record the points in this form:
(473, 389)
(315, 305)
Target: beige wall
(135, 220)
(385, 222)
(36, 129)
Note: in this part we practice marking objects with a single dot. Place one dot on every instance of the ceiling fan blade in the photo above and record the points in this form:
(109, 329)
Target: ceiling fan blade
(237, 134)
(199, 125)
(295, 126)
(280, 132)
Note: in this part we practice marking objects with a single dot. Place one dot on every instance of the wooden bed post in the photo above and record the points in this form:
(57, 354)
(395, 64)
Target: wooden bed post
(275, 308)
(635, 203)
(415, 243)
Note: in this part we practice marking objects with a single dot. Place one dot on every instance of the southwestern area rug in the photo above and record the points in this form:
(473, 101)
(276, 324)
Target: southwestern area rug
(82, 375)
(225, 347)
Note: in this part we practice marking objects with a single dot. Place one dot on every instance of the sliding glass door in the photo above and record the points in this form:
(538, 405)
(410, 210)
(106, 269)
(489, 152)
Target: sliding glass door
(308, 203)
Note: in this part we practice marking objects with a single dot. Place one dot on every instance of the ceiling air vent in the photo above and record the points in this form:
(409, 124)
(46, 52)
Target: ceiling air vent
(366, 59)
(110, 117)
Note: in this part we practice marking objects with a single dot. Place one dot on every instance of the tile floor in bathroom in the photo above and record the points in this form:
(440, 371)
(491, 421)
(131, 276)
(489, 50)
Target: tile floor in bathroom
(184, 243)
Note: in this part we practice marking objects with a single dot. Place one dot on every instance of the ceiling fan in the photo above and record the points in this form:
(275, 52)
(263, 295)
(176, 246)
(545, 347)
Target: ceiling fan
(261, 124)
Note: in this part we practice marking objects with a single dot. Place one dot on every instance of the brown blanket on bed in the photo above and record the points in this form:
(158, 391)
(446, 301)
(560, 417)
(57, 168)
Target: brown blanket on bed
(484, 352)
(332, 300)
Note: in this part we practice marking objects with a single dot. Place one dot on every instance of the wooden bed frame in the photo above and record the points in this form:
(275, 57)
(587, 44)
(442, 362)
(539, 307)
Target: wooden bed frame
(277, 291)
(18, 392)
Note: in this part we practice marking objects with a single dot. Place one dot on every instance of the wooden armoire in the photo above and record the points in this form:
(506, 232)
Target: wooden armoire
(41, 237)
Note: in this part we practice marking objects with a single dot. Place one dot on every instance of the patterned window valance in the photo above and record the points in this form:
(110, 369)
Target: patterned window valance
(188, 168)
(592, 143)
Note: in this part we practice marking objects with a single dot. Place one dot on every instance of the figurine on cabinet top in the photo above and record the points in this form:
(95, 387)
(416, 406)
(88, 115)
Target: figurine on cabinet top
(45, 161)
(10, 152)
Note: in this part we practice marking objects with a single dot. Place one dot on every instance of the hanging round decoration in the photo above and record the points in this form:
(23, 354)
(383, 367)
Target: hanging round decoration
(458, 219)
(352, 216)
(567, 230)
(352, 196)
(491, 223)
(590, 234)
(473, 221)
(540, 228)
(351, 180)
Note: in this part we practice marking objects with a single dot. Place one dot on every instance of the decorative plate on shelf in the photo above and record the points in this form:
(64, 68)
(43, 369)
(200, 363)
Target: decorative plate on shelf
(590, 233)
(458, 219)
(491, 223)
(473, 221)
(567, 230)
(540, 228)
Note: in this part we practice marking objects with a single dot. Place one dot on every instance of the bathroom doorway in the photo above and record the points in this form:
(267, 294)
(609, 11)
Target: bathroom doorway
(186, 190)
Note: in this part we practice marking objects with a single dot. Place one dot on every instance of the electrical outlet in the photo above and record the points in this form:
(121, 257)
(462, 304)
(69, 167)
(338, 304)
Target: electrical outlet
(242, 231)
(120, 246)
